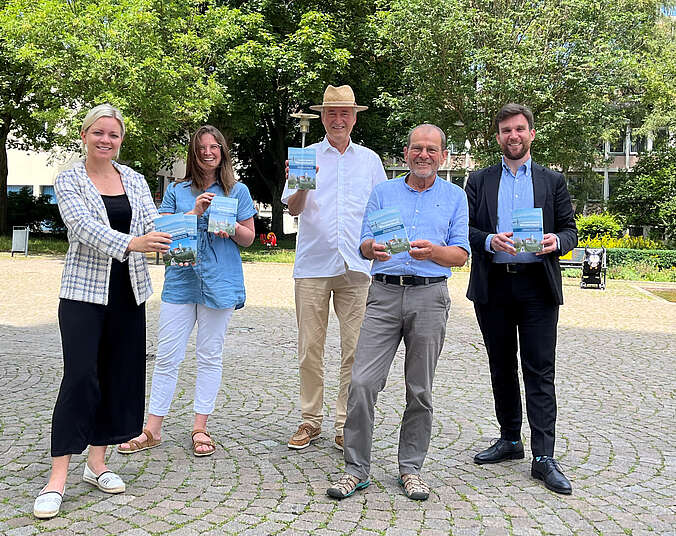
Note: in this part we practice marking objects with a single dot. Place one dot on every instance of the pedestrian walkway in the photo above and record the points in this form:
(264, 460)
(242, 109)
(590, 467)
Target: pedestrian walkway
(616, 378)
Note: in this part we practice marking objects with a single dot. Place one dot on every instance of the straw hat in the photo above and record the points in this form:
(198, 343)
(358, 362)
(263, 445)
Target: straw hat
(342, 96)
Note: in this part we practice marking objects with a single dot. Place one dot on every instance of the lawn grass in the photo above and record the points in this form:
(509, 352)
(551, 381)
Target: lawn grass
(285, 252)
(38, 244)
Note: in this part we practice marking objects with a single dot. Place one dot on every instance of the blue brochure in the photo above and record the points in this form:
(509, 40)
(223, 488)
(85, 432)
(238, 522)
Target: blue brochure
(223, 214)
(527, 228)
(183, 246)
(302, 169)
(388, 228)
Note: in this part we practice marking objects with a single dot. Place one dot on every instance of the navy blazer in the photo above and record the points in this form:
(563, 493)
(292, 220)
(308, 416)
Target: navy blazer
(549, 193)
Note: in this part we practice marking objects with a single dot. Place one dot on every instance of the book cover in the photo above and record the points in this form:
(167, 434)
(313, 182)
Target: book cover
(527, 228)
(182, 248)
(388, 229)
(223, 214)
(302, 169)
(191, 230)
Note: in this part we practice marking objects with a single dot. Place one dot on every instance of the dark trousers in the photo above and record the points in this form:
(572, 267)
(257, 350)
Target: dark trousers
(102, 394)
(521, 305)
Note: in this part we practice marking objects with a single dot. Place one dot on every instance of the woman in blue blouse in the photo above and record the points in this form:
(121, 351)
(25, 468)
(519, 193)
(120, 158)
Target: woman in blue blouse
(206, 293)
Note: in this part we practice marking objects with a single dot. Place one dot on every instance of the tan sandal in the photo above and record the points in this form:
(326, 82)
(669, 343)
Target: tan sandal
(138, 446)
(197, 443)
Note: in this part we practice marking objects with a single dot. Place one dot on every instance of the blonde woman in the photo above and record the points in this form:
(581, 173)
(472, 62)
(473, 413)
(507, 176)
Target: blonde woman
(205, 294)
(108, 211)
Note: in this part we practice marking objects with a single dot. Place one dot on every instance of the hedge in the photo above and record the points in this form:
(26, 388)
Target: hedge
(660, 258)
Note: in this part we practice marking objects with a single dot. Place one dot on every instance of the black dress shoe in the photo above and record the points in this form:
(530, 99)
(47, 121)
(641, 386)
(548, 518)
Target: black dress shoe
(501, 450)
(549, 471)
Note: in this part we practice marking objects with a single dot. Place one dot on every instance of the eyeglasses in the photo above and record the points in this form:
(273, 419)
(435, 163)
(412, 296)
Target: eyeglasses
(417, 149)
(212, 148)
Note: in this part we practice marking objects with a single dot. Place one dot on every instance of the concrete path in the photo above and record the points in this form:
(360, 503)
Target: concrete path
(616, 380)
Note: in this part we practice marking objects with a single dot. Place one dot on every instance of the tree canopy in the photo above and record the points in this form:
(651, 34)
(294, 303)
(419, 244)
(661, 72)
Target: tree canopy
(586, 68)
(574, 62)
(647, 194)
(64, 57)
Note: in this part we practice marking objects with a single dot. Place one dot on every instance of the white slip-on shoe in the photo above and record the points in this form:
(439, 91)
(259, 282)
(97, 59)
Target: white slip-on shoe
(107, 481)
(48, 503)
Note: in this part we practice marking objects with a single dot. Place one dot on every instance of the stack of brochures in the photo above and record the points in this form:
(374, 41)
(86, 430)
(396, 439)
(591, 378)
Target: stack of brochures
(183, 231)
(388, 229)
(223, 215)
(302, 169)
(527, 228)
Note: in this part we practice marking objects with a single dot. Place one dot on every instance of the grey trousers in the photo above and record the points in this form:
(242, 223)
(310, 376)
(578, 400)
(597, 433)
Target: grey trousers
(418, 314)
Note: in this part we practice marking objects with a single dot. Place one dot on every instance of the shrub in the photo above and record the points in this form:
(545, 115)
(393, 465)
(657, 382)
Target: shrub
(626, 242)
(598, 225)
(23, 208)
(663, 259)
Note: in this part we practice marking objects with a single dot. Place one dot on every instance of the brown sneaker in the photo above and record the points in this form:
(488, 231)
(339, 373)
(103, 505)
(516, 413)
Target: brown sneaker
(339, 442)
(305, 434)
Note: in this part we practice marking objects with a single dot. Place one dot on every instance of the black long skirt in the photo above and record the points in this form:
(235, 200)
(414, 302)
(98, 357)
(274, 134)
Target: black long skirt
(102, 394)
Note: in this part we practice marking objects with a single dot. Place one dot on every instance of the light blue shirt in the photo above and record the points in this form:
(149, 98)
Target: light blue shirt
(514, 192)
(438, 214)
(217, 280)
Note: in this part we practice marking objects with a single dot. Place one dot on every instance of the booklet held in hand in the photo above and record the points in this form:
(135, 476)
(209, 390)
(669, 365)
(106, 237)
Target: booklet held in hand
(527, 229)
(183, 231)
(223, 215)
(302, 169)
(388, 229)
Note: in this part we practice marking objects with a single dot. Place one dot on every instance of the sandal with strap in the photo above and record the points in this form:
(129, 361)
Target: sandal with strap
(198, 443)
(346, 486)
(414, 487)
(138, 446)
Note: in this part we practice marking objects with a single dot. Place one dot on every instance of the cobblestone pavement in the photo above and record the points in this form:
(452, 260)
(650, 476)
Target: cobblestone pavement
(617, 411)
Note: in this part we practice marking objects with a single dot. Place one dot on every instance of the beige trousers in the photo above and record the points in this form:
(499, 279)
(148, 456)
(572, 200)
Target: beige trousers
(349, 292)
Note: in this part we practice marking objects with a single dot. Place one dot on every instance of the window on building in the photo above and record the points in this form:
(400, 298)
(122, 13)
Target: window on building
(639, 144)
(617, 144)
(458, 180)
(585, 189)
(18, 187)
(49, 190)
(660, 139)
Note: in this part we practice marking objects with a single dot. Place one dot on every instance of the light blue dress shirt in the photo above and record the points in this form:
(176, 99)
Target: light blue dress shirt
(217, 280)
(438, 214)
(514, 192)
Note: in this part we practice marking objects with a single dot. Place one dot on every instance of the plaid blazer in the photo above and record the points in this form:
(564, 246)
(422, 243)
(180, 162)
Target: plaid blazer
(93, 243)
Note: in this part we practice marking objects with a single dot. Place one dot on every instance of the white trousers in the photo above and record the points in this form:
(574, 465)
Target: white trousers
(176, 324)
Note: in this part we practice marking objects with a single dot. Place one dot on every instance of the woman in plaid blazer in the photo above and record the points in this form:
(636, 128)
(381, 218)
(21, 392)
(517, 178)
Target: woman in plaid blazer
(109, 211)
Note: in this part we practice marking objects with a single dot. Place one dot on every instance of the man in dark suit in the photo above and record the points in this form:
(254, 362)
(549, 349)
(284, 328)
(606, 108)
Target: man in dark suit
(517, 294)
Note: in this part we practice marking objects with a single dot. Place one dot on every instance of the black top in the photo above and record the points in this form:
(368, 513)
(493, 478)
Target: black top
(119, 212)
(119, 216)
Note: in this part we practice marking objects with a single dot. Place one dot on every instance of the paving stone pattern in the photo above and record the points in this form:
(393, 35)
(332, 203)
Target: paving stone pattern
(617, 410)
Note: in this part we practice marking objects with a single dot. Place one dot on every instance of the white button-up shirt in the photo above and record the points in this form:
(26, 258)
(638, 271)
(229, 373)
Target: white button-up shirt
(329, 226)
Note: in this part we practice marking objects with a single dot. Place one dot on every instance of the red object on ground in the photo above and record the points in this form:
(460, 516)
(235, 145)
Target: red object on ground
(270, 240)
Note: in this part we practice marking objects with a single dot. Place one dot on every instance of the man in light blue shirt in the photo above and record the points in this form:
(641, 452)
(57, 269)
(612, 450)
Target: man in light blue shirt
(408, 299)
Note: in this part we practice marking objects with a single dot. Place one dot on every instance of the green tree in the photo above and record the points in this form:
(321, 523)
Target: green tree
(574, 62)
(279, 62)
(29, 109)
(37, 212)
(647, 194)
(144, 57)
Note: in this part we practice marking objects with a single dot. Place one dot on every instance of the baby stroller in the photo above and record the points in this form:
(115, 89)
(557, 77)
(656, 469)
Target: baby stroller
(594, 268)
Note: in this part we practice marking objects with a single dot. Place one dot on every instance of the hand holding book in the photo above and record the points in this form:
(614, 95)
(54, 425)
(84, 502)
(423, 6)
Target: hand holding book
(202, 203)
(549, 244)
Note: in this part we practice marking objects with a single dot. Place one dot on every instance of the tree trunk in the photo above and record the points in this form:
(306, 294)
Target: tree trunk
(277, 213)
(4, 132)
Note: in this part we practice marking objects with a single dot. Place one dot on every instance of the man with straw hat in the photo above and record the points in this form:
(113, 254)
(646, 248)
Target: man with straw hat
(328, 262)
